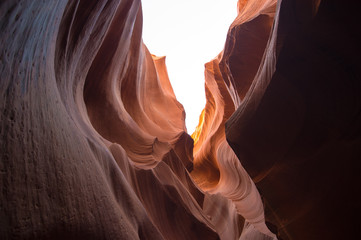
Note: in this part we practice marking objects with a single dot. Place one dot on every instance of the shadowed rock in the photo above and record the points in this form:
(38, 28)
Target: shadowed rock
(94, 145)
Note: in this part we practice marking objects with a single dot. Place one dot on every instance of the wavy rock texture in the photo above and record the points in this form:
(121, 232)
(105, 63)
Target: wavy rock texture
(94, 145)
(93, 141)
(291, 74)
(217, 170)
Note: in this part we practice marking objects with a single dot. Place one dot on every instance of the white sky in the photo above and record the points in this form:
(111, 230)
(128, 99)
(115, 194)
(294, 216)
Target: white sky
(189, 33)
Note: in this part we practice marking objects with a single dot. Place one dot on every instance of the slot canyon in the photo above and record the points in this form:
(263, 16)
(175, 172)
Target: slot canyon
(94, 143)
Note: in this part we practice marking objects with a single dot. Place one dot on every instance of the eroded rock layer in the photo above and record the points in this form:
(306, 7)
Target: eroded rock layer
(217, 170)
(291, 74)
(93, 140)
(94, 145)
(297, 129)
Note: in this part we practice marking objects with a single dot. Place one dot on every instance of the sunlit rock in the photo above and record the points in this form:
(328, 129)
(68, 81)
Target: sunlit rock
(94, 145)
(217, 170)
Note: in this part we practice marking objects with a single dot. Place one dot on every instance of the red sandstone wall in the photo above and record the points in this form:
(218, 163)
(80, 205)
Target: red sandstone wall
(93, 141)
(297, 129)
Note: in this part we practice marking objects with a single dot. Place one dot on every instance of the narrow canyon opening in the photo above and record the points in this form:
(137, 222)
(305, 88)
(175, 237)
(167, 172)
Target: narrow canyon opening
(190, 34)
(93, 139)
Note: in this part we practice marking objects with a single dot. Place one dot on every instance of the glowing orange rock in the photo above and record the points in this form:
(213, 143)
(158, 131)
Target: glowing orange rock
(217, 170)
(94, 146)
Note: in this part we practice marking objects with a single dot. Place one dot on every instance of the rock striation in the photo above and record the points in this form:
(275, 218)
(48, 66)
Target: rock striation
(94, 145)
(93, 140)
(217, 170)
(284, 93)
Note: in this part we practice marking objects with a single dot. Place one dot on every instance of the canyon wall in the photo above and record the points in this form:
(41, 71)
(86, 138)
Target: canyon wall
(217, 170)
(94, 144)
(93, 140)
(297, 129)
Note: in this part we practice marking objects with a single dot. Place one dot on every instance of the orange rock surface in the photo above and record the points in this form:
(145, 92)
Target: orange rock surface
(94, 145)
(217, 170)
(93, 141)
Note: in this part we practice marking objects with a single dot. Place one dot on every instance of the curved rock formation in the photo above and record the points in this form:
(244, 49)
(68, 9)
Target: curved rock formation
(297, 129)
(94, 145)
(227, 78)
(295, 86)
(93, 141)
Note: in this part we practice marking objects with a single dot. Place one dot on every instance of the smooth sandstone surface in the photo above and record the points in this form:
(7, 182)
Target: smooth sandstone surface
(94, 144)
(217, 170)
(93, 141)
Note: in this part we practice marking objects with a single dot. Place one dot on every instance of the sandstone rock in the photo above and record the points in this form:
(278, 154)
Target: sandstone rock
(94, 144)
(297, 130)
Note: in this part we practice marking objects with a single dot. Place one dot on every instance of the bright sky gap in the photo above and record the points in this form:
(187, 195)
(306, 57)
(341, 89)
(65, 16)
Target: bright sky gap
(189, 33)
